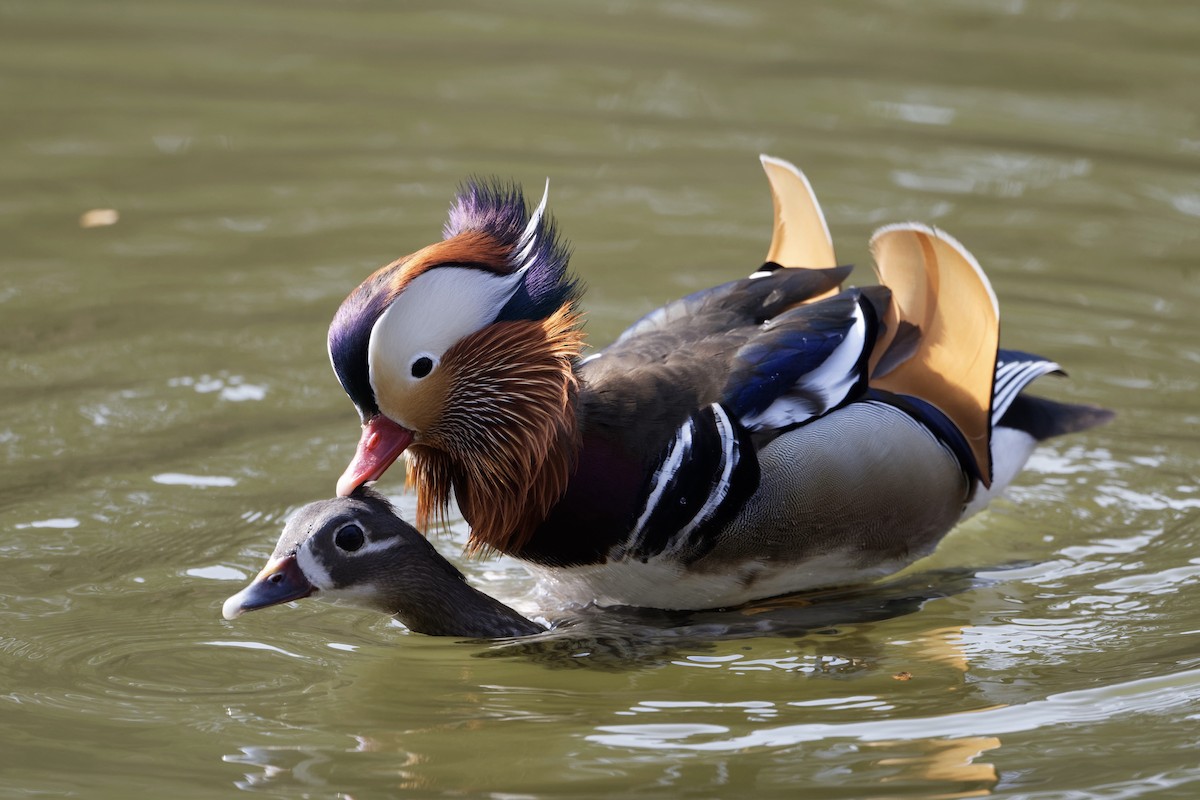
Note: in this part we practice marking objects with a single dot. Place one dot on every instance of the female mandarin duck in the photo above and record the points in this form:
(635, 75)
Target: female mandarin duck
(771, 435)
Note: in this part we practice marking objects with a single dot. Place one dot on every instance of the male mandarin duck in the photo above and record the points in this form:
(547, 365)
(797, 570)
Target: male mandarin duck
(771, 435)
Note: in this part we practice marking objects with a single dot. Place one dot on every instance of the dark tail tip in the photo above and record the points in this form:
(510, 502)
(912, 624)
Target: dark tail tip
(1042, 418)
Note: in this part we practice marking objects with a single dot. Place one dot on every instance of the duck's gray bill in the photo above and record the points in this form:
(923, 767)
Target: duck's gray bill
(281, 581)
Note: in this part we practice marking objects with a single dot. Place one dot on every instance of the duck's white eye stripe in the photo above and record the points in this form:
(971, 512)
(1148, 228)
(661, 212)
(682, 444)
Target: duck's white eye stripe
(376, 547)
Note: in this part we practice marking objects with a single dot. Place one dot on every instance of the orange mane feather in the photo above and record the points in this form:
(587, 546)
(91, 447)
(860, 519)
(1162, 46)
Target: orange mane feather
(476, 248)
(508, 444)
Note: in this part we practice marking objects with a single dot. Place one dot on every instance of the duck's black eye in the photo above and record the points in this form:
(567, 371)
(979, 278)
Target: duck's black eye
(349, 537)
(422, 367)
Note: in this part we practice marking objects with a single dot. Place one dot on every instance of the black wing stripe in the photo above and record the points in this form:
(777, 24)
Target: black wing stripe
(730, 454)
(703, 477)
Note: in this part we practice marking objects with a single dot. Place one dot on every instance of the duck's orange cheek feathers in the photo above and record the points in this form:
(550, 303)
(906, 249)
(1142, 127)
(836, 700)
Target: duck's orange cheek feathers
(381, 444)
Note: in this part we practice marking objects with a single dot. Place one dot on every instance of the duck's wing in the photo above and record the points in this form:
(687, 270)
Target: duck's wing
(730, 306)
(1037, 417)
(754, 345)
(685, 408)
(1014, 371)
(804, 363)
(801, 268)
(868, 406)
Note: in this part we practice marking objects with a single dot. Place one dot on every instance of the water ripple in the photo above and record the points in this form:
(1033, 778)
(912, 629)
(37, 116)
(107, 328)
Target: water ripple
(1146, 696)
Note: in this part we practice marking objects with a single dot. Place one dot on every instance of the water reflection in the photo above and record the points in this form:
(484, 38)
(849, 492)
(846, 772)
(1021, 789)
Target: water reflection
(827, 637)
(1150, 695)
(629, 638)
(942, 761)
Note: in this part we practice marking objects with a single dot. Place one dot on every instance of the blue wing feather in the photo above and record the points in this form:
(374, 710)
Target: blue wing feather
(806, 362)
(772, 364)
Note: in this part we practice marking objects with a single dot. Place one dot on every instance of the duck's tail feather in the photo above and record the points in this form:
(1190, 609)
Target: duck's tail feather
(1037, 416)
(1027, 421)
(1042, 418)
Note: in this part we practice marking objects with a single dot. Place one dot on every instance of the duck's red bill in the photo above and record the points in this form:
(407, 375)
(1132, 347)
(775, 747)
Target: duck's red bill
(381, 444)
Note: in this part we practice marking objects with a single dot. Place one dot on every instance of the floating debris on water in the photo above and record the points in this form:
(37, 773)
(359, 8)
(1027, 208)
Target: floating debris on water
(99, 218)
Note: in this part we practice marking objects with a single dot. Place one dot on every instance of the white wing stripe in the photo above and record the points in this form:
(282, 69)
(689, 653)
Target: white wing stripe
(839, 371)
(833, 380)
(662, 478)
(1011, 379)
(729, 459)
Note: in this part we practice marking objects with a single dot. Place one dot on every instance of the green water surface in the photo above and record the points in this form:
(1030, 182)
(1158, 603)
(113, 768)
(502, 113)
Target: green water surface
(166, 399)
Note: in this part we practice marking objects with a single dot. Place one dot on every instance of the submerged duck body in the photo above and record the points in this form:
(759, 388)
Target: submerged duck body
(770, 435)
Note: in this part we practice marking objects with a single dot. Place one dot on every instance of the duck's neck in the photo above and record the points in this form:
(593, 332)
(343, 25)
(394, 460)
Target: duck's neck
(455, 608)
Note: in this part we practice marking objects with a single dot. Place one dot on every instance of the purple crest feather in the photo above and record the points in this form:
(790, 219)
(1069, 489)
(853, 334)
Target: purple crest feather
(535, 249)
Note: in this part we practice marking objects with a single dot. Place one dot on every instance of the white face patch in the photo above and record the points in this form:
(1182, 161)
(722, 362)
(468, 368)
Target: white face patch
(437, 309)
(313, 569)
(319, 576)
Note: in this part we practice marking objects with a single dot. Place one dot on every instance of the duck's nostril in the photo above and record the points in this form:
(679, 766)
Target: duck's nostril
(276, 578)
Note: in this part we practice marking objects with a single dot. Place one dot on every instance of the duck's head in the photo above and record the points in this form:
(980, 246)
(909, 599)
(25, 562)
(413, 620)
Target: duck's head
(352, 548)
(464, 351)
(358, 550)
